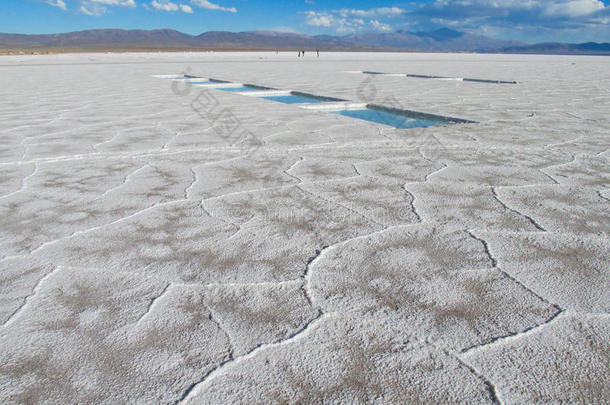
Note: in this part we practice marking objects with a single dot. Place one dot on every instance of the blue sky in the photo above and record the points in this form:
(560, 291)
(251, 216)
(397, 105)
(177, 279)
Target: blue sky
(525, 20)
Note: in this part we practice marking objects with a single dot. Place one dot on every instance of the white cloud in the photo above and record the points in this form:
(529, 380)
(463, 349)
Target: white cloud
(85, 10)
(92, 10)
(211, 6)
(123, 3)
(350, 20)
(374, 12)
(377, 26)
(99, 7)
(573, 8)
(57, 3)
(548, 8)
(318, 19)
(526, 20)
(339, 24)
(166, 6)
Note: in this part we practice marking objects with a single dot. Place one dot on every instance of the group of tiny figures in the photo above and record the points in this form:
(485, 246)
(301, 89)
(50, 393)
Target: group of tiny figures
(302, 53)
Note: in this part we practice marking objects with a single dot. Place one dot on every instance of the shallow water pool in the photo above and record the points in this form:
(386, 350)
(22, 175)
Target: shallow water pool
(241, 88)
(294, 99)
(395, 120)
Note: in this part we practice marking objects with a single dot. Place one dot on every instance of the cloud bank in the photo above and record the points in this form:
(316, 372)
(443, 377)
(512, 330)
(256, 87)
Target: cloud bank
(354, 20)
(164, 5)
(57, 3)
(101, 7)
(211, 6)
(507, 18)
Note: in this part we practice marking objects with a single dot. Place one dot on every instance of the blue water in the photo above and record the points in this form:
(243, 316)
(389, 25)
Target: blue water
(242, 88)
(387, 118)
(292, 99)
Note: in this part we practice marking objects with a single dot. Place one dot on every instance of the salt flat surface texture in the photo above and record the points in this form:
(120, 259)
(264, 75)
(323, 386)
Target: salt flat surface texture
(163, 242)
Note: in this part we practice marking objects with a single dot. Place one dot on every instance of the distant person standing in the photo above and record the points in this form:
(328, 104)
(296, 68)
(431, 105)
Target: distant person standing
(318, 52)
(299, 54)
(303, 52)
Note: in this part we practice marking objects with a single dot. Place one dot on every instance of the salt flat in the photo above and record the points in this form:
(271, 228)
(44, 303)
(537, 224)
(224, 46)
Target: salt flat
(164, 242)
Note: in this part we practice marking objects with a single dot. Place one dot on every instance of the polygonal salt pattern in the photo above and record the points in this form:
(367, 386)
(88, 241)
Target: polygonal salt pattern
(585, 171)
(439, 285)
(256, 314)
(18, 280)
(563, 362)
(360, 362)
(570, 270)
(561, 208)
(109, 329)
(466, 206)
(163, 242)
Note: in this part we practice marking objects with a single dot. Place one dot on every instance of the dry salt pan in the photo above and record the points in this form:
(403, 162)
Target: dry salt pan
(164, 241)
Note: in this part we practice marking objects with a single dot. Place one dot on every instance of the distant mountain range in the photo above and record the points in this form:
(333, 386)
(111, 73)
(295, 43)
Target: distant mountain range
(442, 40)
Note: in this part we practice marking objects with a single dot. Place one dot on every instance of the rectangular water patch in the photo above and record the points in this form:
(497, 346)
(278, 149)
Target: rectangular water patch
(265, 93)
(291, 99)
(335, 106)
(296, 97)
(397, 118)
(418, 76)
(385, 118)
(241, 88)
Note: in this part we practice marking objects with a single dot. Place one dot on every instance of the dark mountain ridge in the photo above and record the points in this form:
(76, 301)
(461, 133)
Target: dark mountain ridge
(442, 40)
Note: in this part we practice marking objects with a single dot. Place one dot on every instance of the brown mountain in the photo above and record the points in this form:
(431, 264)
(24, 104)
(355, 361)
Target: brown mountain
(443, 40)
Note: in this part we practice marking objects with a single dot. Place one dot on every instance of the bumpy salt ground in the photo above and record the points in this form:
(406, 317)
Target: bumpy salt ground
(163, 242)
